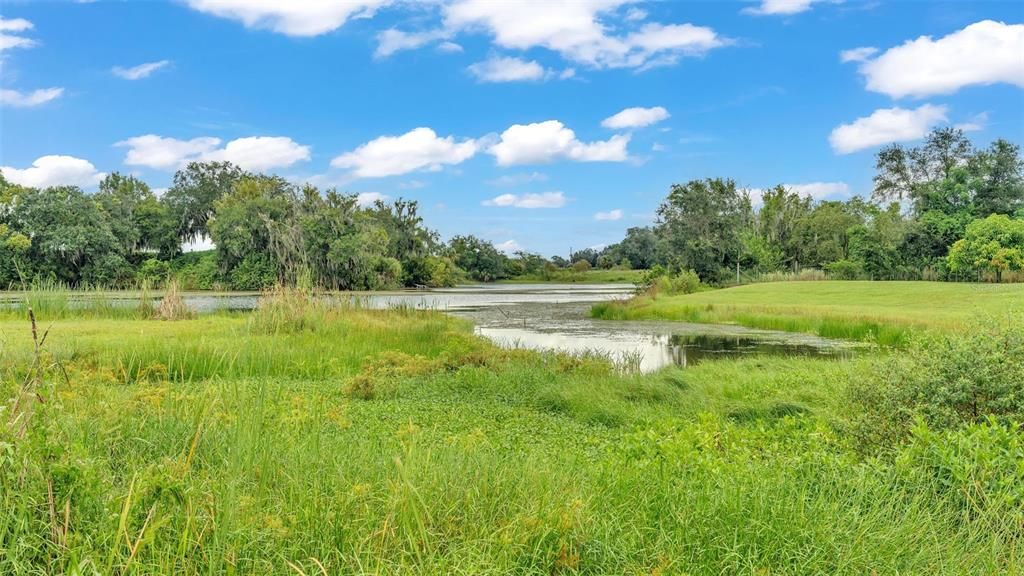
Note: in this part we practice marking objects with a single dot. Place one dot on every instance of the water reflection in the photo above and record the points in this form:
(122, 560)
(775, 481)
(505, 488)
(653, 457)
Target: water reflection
(556, 317)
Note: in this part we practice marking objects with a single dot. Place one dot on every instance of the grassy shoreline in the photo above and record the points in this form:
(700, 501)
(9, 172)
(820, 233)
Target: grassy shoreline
(397, 442)
(886, 313)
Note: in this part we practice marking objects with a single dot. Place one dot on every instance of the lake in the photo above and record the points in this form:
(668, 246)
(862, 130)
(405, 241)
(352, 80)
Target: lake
(556, 317)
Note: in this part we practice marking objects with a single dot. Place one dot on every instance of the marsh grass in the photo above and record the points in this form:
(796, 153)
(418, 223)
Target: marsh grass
(884, 313)
(206, 446)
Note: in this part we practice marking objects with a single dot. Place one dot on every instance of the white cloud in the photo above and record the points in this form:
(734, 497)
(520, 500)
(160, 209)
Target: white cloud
(365, 199)
(579, 30)
(983, 53)
(260, 153)
(610, 215)
(886, 125)
(256, 153)
(816, 190)
(657, 147)
(506, 69)
(449, 48)
(55, 171)
(392, 40)
(635, 14)
(635, 118)
(14, 24)
(295, 18)
(140, 71)
(543, 142)
(163, 153)
(857, 54)
(8, 41)
(779, 7)
(509, 247)
(518, 179)
(975, 123)
(418, 149)
(542, 200)
(28, 99)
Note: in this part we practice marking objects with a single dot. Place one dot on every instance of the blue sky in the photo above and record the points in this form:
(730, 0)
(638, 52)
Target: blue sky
(541, 126)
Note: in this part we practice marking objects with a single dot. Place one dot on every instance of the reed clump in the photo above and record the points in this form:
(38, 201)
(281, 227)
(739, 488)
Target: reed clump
(172, 305)
(289, 310)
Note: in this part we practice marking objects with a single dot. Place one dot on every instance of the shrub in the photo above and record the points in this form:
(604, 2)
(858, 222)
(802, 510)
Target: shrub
(845, 269)
(947, 380)
(581, 266)
(659, 280)
(979, 469)
(154, 271)
(172, 305)
(287, 310)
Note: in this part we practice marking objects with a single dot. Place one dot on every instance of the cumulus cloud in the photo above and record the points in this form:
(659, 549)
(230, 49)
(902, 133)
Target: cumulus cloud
(779, 7)
(449, 48)
(140, 71)
(635, 118)
(10, 37)
(393, 40)
(579, 30)
(610, 215)
(260, 153)
(547, 141)
(365, 199)
(29, 99)
(55, 170)
(542, 200)
(857, 54)
(885, 126)
(509, 247)
(418, 149)
(299, 18)
(983, 53)
(507, 69)
(257, 153)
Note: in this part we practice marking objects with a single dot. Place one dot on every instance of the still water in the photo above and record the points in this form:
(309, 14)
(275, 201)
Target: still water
(556, 317)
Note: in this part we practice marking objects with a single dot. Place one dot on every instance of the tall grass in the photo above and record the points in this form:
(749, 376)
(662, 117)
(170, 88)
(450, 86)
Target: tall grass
(213, 446)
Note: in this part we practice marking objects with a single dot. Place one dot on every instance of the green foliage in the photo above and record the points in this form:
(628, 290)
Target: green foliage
(480, 259)
(949, 380)
(845, 269)
(701, 223)
(994, 245)
(197, 270)
(581, 266)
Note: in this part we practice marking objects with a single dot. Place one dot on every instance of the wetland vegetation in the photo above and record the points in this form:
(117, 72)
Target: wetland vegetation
(312, 438)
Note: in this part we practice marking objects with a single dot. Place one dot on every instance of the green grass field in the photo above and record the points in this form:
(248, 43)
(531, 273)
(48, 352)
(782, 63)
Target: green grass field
(351, 441)
(881, 311)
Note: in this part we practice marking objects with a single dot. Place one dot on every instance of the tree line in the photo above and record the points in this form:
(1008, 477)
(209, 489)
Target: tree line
(944, 210)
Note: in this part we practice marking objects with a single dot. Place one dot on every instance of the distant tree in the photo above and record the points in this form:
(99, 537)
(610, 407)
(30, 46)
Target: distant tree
(197, 187)
(701, 223)
(903, 172)
(992, 245)
(478, 258)
(142, 224)
(1000, 179)
(639, 247)
(409, 241)
(71, 237)
(581, 266)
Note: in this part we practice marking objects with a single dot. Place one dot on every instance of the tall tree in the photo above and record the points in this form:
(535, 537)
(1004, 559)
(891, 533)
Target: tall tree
(196, 189)
(701, 223)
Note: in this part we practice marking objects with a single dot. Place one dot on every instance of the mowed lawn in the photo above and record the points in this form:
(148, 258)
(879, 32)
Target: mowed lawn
(832, 308)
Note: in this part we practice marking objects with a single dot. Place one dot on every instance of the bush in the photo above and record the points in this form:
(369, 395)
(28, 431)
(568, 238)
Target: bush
(979, 469)
(154, 271)
(581, 266)
(946, 380)
(197, 271)
(845, 269)
(659, 280)
(286, 310)
(254, 272)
